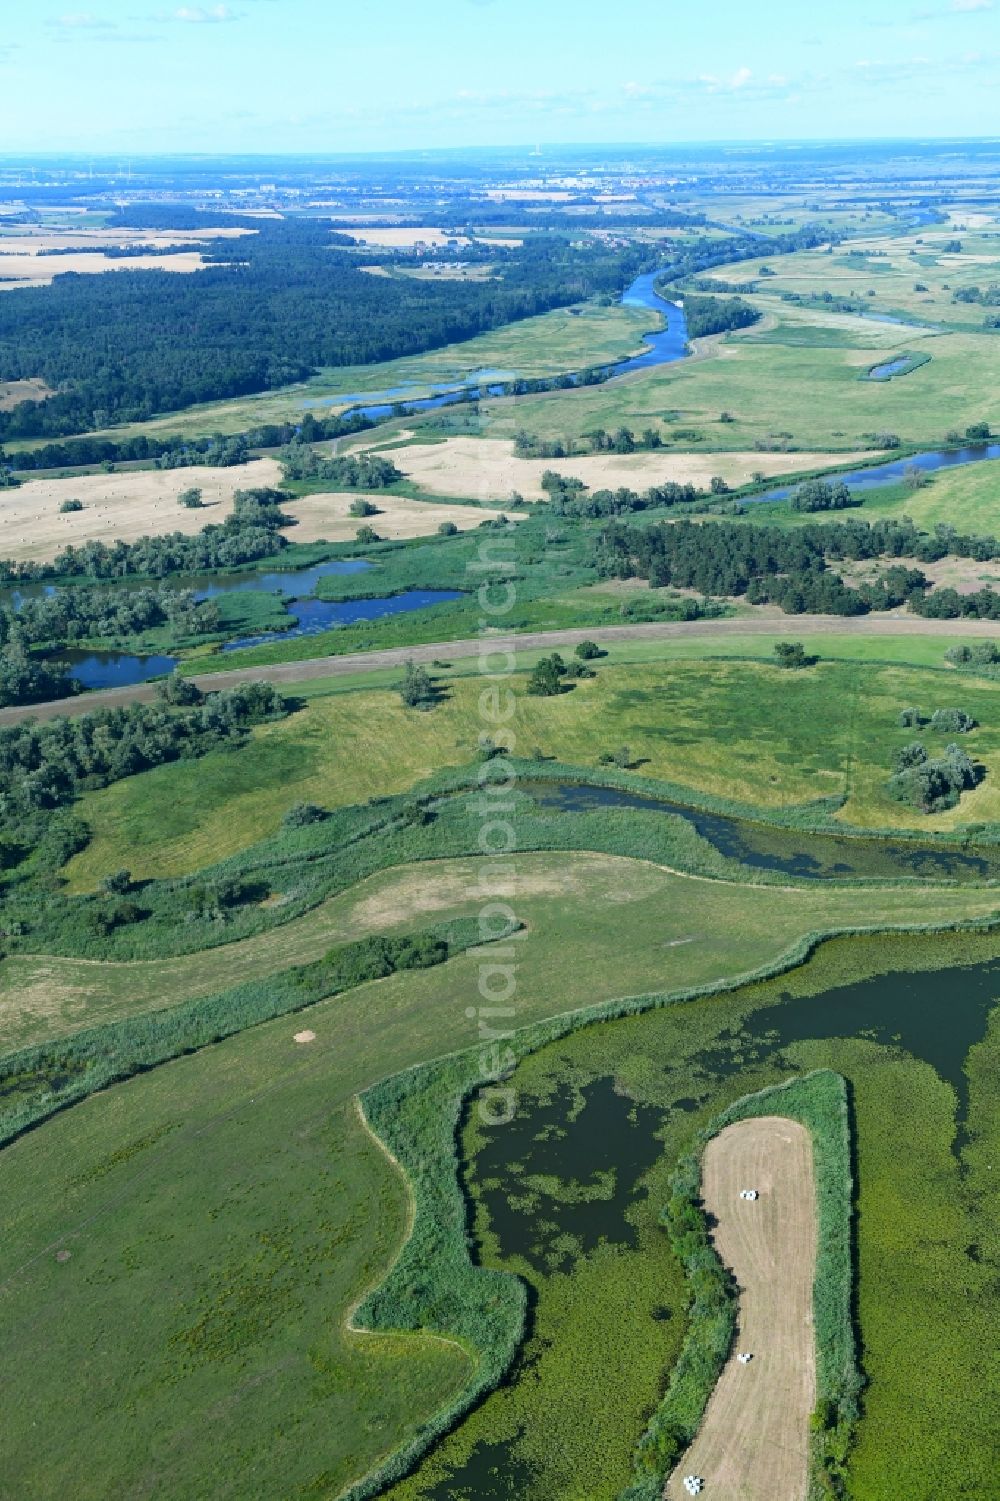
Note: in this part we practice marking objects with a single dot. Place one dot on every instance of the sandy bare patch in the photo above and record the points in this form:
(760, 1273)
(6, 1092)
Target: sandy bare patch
(327, 518)
(754, 1439)
(305, 1036)
(960, 218)
(119, 507)
(488, 469)
(416, 891)
(965, 575)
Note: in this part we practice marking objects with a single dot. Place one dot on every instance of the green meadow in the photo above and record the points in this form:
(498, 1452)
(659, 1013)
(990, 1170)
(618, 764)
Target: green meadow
(806, 394)
(740, 729)
(223, 1212)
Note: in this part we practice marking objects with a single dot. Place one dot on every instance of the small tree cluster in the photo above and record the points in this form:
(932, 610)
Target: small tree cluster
(982, 654)
(546, 677)
(932, 785)
(301, 815)
(793, 654)
(417, 689)
(819, 495)
(360, 506)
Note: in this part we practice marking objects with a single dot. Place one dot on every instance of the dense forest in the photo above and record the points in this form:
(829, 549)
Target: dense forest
(270, 308)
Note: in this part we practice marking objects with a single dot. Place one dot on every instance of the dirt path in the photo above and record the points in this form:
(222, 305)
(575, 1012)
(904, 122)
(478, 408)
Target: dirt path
(787, 627)
(754, 1441)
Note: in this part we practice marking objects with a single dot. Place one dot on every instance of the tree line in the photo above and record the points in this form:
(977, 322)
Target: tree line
(177, 452)
(43, 767)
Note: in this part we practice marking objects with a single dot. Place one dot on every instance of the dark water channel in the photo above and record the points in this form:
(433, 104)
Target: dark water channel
(790, 852)
(895, 470)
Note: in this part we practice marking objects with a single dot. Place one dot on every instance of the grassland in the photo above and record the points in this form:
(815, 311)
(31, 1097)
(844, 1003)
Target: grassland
(913, 276)
(738, 729)
(967, 499)
(810, 390)
(47, 996)
(799, 372)
(230, 1352)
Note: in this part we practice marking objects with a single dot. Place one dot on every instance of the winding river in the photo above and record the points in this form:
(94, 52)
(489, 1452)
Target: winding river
(662, 347)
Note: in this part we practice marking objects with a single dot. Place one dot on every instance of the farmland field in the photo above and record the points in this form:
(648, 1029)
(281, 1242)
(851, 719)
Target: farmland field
(758, 1419)
(111, 1161)
(119, 507)
(488, 469)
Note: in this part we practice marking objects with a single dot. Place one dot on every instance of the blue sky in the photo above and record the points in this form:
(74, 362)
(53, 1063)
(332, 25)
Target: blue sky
(334, 75)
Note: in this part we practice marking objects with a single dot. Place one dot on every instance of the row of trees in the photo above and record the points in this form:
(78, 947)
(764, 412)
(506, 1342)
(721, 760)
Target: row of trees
(569, 496)
(622, 440)
(177, 452)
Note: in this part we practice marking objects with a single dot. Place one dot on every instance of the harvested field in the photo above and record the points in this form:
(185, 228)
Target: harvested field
(402, 239)
(406, 239)
(488, 469)
(30, 241)
(326, 517)
(754, 1439)
(120, 507)
(25, 269)
(13, 392)
(22, 263)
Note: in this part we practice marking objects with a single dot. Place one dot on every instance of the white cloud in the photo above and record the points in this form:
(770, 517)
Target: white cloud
(970, 5)
(201, 15)
(740, 78)
(82, 20)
